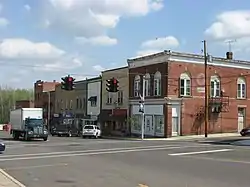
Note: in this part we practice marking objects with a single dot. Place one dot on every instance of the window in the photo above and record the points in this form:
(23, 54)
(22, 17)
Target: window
(93, 101)
(70, 104)
(185, 85)
(241, 88)
(147, 85)
(157, 84)
(137, 82)
(66, 104)
(62, 104)
(215, 86)
(77, 103)
(80, 103)
(109, 98)
(120, 97)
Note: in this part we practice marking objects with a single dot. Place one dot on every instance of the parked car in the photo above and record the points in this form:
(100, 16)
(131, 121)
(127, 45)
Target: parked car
(91, 131)
(64, 130)
(2, 147)
(245, 131)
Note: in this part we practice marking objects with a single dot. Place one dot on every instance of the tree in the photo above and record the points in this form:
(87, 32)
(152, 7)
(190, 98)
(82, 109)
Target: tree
(8, 98)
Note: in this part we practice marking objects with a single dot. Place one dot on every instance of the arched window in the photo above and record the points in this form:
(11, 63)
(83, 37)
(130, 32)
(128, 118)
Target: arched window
(241, 88)
(215, 86)
(185, 85)
(157, 84)
(137, 81)
(147, 85)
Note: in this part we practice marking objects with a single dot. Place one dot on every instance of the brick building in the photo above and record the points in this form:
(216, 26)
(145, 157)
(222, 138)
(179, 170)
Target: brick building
(44, 93)
(24, 104)
(174, 87)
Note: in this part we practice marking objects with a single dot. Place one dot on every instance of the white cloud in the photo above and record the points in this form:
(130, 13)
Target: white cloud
(4, 22)
(19, 48)
(98, 68)
(92, 18)
(147, 52)
(166, 42)
(158, 44)
(231, 25)
(27, 7)
(99, 40)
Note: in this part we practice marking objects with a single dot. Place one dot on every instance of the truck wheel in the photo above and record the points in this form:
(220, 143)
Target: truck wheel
(15, 136)
(45, 139)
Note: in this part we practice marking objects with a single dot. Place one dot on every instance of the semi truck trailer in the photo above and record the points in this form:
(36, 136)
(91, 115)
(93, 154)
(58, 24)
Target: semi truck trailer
(28, 124)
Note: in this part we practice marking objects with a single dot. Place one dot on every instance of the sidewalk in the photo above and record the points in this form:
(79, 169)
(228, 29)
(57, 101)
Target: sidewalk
(191, 137)
(7, 181)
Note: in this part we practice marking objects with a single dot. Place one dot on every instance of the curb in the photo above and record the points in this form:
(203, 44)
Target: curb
(15, 181)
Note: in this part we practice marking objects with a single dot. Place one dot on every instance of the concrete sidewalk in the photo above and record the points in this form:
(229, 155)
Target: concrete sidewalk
(8, 181)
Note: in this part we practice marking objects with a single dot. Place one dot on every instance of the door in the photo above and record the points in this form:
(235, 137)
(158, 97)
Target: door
(175, 120)
(241, 118)
(149, 128)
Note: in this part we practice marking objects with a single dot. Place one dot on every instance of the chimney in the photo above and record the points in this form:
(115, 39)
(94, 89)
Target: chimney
(229, 55)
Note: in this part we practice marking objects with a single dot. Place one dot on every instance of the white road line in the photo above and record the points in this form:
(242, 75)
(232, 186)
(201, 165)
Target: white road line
(11, 178)
(38, 166)
(200, 152)
(82, 151)
(88, 153)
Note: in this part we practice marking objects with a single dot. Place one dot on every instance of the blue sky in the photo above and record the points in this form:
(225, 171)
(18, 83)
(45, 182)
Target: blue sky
(47, 39)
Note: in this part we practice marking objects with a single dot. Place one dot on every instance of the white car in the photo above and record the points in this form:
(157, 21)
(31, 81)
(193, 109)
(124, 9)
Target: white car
(91, 131)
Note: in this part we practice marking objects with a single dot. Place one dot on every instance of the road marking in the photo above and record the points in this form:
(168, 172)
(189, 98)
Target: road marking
(11, 178)
(38, 166)
(200, 152)
(82, 151)
(142, 185)
(89, 153)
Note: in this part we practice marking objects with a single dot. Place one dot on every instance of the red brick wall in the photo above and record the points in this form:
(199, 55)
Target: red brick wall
(226, 121)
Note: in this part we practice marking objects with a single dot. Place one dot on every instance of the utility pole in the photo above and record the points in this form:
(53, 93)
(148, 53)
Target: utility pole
(206, 88)
(48, 111)
(141, 109)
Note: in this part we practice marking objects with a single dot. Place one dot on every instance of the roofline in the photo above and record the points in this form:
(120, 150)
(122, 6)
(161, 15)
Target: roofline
(114, 69)
(170, 53)
(95, 79)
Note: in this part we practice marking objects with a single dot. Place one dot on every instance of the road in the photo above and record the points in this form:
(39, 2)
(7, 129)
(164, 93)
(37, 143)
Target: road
(76, 162)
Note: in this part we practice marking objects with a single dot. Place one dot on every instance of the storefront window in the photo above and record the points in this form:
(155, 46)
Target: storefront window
(159, 124)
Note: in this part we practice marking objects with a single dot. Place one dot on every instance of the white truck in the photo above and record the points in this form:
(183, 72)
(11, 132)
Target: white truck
(28, 123)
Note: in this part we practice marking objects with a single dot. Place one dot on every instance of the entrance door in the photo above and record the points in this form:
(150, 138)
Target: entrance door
(175, 120)
(241, 118)
(149, 128)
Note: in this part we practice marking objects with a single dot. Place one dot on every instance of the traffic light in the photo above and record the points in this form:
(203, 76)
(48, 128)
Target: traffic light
(112, 85)
(64, 83)
(68, 83)
(71, 83)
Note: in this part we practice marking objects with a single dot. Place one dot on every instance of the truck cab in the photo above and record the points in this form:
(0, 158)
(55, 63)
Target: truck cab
(35, 128)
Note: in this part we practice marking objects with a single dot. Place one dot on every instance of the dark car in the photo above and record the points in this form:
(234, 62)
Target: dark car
(64, 130)
(2, 147)
(245, 131)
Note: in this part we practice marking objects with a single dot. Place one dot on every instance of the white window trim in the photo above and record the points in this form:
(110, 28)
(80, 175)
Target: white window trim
(109, 98)
(137, 86)
(157, 86)
(241, 82)
(215, 88)
(185, 87)
(120, 97)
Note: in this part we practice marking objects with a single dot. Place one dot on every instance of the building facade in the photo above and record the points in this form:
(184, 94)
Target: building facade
(174, 89)
(94, 98)
(24, 104)
(44, 97)
(114, 106)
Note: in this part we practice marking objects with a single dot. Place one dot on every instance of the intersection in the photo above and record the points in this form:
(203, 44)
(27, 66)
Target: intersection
(76, 162)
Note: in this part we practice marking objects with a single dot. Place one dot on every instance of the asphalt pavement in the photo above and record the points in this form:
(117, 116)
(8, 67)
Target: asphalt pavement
(76, 162)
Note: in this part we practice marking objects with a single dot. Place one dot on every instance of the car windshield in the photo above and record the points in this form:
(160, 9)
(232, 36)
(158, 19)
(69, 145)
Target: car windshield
(88, 127)
(34, 122)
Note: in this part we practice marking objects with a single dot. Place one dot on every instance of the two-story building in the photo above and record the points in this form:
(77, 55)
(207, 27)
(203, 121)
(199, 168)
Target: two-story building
(114, 107)
(93, 100)
(174, 90)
